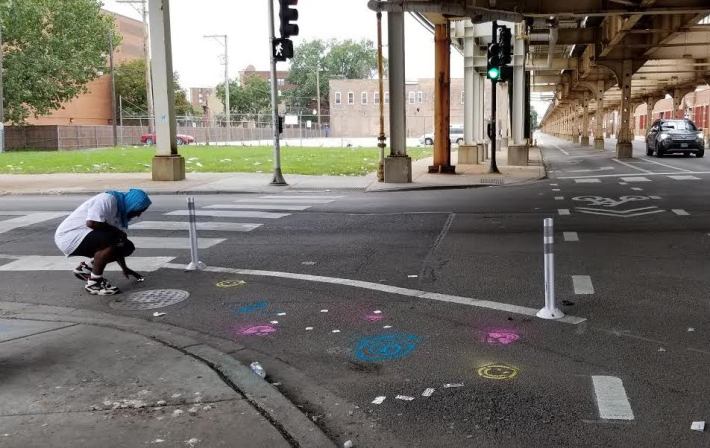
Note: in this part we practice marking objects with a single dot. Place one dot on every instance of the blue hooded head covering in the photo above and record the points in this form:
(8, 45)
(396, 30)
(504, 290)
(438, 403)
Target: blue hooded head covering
(134, 200)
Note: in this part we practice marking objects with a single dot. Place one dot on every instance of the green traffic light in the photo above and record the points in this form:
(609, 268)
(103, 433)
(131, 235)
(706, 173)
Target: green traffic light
(493, 73)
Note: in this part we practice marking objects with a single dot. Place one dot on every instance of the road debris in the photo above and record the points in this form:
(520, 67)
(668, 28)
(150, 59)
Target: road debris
(159, 314)
(178, 412)
(450, 385)
(348, 444)
(378, 400)
(404, 397)
(428, 392)
(698, 426)
(258, 369)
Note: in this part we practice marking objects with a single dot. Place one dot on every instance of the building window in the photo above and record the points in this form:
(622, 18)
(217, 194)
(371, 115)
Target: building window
(387, 97)
(376, 97)
(351, 98)
(363, 98)
(281, 82)
(462, 97)
(420, 97)
(338, 98)
(411, 97)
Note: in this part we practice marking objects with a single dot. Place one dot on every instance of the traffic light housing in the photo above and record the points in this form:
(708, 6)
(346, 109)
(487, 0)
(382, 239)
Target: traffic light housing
(505, 38)
(287, 14)
(493, 62)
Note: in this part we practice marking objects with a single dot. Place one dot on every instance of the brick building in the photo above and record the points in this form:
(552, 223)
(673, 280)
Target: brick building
(355, 110)
(695, 106)
(94, 107)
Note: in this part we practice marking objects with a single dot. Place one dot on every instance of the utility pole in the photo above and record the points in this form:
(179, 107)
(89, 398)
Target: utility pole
(146, 55)
(227, 111)
(113, 88)
(278, 178)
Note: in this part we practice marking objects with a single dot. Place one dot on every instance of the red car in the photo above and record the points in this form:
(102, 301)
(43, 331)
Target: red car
(182, 139)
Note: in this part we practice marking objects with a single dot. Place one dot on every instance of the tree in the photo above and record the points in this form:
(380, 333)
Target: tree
(251, 99)
(533, 118)
(51, 49)
(337, 60)
(130, 86)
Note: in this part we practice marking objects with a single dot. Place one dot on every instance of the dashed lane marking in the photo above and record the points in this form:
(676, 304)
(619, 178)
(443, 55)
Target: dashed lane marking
(270, 199)
(655, 197)
(300, 197)
(680, 212)
(230, 214)
(631, 166)
(684, 177)
(559, 198)
(263, 206)
(612, 402)
(637, 188)
(556, 189)
(588, 181)
(206, 226)
(665, 165)
(59, 263)
(582, 284)
(480, 303)
(563, 211)
(570, 236)
(561, 150)
(636, 179)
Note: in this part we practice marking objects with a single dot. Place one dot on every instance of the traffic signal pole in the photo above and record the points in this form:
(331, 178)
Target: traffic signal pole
(278, 178)
(493, 169)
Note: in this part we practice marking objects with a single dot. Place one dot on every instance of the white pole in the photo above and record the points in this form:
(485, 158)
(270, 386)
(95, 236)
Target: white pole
(195, 264)
(550, 311)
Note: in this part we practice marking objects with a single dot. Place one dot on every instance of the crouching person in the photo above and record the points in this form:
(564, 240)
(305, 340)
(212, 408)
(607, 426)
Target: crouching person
(97, 230)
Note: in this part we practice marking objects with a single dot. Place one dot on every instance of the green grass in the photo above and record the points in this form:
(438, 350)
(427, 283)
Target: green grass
(202, 159)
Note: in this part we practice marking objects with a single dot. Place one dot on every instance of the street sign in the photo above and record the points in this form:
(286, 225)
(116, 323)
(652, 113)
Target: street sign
(282, 49)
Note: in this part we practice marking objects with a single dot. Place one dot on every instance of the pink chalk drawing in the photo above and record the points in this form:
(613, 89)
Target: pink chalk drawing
(374, 317)
(501, 337)
(257, 330)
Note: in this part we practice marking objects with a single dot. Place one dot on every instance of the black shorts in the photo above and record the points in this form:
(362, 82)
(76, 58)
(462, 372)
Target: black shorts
(97, 240)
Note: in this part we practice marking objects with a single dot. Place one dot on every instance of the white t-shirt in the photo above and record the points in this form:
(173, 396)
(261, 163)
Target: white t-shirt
(71, 232)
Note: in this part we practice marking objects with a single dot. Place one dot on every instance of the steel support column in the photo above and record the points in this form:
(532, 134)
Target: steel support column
(518, 117)
(167, 164)
(599, 116)
(442, 100)
(624, 149)
(585, 120)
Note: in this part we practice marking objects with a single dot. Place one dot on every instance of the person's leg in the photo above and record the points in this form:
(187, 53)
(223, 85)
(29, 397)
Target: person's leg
(103, 257)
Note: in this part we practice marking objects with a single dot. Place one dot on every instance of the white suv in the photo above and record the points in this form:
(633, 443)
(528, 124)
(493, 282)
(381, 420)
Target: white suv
(455, 135)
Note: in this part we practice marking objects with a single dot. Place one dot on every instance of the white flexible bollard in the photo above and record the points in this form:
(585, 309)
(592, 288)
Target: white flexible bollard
(550, 311)
(195, 264)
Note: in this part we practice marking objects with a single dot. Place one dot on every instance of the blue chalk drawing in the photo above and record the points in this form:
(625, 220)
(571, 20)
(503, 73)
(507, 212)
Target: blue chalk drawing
(386, 347)
(251, 307)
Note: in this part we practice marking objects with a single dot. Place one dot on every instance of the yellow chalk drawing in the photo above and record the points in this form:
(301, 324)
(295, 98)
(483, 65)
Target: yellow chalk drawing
(231, 283)
(497, 372)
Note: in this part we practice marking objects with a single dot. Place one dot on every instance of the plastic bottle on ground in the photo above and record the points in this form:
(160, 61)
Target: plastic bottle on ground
(258, 369)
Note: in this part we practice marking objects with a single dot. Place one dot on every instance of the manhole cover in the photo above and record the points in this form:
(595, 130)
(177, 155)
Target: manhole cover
(148, 300)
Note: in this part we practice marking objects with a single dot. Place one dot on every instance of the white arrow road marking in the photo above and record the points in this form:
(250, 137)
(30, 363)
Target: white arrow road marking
(617, 212)
(582, 284)
(612, 402)
(620, 213)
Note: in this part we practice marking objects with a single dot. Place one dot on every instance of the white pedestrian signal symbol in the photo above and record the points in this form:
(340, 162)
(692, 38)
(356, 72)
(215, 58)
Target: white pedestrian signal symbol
(279, 49)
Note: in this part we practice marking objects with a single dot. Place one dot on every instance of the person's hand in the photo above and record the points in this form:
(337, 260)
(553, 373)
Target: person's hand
(130, 272)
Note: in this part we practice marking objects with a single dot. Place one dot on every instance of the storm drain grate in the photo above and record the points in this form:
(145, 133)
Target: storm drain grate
(150, 299)
(492, 180)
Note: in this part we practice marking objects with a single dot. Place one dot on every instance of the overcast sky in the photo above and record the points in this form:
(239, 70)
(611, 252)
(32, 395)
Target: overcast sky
(197, 60)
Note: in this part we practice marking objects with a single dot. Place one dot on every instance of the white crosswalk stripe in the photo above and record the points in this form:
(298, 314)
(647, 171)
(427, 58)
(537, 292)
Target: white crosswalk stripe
(261, 207)
(230, 214)
(266, 200)
(61, 263)
(215, 226)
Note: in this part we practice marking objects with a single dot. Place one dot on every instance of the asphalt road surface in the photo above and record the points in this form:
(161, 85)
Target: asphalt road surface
(428, 299)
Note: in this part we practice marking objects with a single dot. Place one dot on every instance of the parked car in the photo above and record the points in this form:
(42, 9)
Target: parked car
(182, 139)
(675, 136)
(455, 135)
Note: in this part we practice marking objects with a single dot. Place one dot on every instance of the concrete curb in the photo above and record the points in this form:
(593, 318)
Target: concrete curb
(294, 426)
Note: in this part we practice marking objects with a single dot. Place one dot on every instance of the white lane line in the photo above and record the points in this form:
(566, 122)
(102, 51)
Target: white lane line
(184, 225)
(680, 212)
(305, 196)
(587, 181)
(612, 402)
(229, 214)
(28, 219)
(556, 189)
(627, 174)
(378, 400)
(60, 263)
(291, 200)
(27, 212)
(563, 211)
(655, 197)
(623, 183)
(684, 177)
(570, 236)
(665, 165)
(637, 188)
(561, 150)
(636, 179)
(553, 185)
(582, 284)
(159, 242)
(487, 304)
(559, 198)
(265, 206)
(631, 166)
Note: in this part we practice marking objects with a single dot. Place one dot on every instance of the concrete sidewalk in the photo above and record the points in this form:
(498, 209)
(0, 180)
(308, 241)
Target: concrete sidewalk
(76, 378)
(206, 183)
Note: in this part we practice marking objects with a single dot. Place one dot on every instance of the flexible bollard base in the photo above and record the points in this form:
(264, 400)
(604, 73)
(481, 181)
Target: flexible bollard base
(192, 266)
(550, 314)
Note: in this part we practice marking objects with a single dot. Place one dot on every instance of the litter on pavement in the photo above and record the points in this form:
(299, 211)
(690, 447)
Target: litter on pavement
(428, 392)
(158, 314)
(698, 426)
(450, 385)
(378, 400)
(404, 397)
